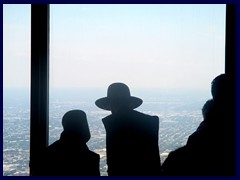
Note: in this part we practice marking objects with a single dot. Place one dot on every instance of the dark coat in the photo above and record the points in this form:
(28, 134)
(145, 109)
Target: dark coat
(69, 157)
(200, 156)
(132, 144)
(206, 151)
(177, 163)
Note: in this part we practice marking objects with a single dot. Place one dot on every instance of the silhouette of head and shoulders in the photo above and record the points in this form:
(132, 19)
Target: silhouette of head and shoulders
(70, 155)
(129, 134)
(214, 110)
(206, 151)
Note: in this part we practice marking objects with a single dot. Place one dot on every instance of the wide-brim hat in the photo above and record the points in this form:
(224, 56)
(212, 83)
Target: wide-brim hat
(118, 92)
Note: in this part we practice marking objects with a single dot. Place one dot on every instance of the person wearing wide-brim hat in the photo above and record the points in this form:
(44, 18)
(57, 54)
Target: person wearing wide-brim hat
(131, 136)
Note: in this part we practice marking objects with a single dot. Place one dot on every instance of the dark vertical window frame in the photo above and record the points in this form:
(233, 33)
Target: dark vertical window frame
(230, 70)
(39, 84)
(230, 40)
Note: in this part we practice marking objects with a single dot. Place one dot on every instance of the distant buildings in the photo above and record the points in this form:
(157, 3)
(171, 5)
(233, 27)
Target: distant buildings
(174, 128)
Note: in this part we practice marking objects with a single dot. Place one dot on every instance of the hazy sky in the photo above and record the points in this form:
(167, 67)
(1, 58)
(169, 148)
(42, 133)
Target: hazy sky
(161, 46)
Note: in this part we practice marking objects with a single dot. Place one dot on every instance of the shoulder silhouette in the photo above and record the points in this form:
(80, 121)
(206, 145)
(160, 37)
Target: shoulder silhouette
(70, 156)
(206, 151)
(131, 136)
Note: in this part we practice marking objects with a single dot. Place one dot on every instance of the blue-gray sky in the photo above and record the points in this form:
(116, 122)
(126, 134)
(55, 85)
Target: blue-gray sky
(160, 46)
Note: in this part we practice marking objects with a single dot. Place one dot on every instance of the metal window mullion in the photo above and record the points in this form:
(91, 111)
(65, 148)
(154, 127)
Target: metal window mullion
(39, 84)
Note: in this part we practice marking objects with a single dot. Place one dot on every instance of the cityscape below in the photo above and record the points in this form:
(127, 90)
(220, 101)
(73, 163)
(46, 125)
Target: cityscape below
(179, 114)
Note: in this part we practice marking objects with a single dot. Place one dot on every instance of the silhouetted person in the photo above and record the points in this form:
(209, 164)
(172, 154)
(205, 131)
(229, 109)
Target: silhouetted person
(212, 138)
(70, 156)
(193, 158)
(207, 150)
(131, 136)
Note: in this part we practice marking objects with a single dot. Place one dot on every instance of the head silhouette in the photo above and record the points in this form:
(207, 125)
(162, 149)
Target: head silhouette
(75, 122)
(208, 109)
(219, 86)
(118, 98)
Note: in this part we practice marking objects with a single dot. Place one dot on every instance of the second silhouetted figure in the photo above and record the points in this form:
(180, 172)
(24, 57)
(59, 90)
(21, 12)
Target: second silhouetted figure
(70, 156)
(131, 136)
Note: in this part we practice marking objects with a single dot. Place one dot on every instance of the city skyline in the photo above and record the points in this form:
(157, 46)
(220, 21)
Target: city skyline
(179, 116)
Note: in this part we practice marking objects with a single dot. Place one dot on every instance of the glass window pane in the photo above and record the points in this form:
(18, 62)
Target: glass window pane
(167, 55)
(16, 89)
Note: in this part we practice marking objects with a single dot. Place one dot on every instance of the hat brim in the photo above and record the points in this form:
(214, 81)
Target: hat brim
(104, 103)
